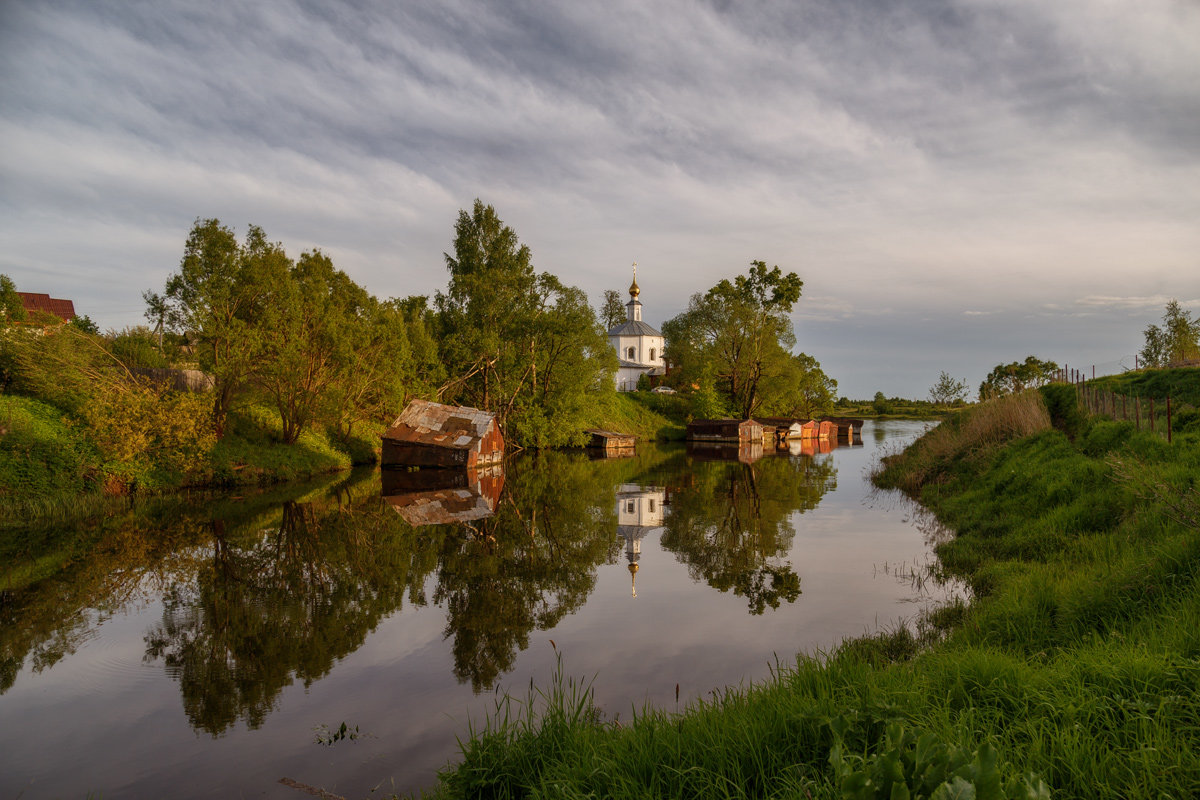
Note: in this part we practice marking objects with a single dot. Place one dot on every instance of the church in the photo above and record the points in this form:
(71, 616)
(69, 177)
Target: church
(639, 346)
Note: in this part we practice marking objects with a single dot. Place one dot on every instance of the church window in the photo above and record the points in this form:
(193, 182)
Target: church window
(631, 352)
(651, 353)
(629, 507)
(651, 505)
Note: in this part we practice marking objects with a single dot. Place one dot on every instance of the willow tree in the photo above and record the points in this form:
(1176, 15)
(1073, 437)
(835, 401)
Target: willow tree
(740, 329)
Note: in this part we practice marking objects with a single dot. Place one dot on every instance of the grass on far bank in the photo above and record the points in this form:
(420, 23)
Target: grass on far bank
(1074, 672)
(49, 466)
(648, 416)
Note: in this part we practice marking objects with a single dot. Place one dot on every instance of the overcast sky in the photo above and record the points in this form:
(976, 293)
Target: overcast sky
(959, 184)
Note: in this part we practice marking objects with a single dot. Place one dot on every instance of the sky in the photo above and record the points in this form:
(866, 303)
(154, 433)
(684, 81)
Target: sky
(959, 183)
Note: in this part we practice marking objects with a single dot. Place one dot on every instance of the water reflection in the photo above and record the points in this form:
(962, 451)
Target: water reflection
(640, 510)
(732, 522)
(442, 496)
(263, 592)
(280, 599)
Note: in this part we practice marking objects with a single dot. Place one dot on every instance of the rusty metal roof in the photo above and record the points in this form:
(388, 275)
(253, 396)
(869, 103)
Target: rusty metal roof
(426, 422)
(442, 507)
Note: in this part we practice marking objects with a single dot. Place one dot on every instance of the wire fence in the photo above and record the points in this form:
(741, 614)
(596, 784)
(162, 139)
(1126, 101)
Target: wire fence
(1157, 415)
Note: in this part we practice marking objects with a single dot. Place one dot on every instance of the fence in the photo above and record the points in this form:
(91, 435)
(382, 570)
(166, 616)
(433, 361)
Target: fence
(1156, 415)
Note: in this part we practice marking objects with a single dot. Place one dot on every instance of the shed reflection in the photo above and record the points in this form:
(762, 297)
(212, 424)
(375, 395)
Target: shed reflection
(442, 496)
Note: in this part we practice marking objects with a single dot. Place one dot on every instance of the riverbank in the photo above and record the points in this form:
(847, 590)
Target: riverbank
(1073, 673)
(51, 464)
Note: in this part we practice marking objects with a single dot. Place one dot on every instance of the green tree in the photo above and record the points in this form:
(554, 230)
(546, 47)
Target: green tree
(524, 346)
(218, 296)
(881, 405)
(947, 390)
(158, 311)
(742, 328)
(488, 300)
(311, 329)
(84, 323)
(800, 388)
(11, 308)
(136, 347)
(612, 310)
(1005, 379)
(1177, 340)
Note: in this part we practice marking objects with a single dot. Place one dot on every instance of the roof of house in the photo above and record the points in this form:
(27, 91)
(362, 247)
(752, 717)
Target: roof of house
(64, 309)
(633, 328)
(425, 422)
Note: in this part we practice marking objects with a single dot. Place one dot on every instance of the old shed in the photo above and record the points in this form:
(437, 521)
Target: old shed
(724, 430)
(611, 442)
(785, 427)
(431, 434)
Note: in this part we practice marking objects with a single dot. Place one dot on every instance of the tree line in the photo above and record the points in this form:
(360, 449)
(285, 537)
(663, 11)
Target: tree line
(301, 337)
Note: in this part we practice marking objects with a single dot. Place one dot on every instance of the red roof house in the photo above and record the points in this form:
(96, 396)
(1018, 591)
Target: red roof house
(63, 309)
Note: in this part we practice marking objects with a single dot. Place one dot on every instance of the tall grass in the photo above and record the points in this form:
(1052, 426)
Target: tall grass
(965, 435)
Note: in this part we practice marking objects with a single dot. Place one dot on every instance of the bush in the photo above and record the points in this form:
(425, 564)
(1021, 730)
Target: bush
(136, 347)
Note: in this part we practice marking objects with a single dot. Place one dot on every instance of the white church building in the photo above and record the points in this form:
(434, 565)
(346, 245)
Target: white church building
(639, 346)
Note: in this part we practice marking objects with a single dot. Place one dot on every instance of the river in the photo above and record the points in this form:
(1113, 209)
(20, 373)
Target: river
(212, 644)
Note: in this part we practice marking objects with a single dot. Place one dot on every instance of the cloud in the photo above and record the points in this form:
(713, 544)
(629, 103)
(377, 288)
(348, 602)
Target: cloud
(992, 159)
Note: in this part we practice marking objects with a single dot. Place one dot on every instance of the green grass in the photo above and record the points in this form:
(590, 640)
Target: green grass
(1182, 384)
(41, 453)
(49, 469)
(1077, 663)
(253, 453)
(648, 416)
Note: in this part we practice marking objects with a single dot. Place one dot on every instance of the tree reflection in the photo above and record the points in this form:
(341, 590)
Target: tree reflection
(731, 522)
(528, 566)
(283, 602)
(263, 592)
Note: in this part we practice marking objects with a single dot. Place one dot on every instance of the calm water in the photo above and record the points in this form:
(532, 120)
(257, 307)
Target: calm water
(202, 646)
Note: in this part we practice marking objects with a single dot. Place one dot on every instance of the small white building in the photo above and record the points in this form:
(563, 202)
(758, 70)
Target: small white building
(639, 346)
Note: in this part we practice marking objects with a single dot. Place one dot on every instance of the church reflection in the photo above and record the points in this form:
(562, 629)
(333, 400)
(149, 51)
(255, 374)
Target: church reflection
(640, 510)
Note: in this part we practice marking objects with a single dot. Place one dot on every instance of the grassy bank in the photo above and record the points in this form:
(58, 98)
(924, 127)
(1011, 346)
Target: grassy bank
(1073, 673)
(50, 465)
(649, 417)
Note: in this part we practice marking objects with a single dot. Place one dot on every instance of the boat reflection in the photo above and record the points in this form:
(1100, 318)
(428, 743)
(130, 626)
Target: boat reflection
(442, 496)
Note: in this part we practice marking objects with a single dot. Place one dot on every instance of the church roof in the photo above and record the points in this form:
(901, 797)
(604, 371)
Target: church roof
(633, 328)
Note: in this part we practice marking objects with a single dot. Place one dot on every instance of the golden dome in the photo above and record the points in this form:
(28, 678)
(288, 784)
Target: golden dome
(634, 291)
